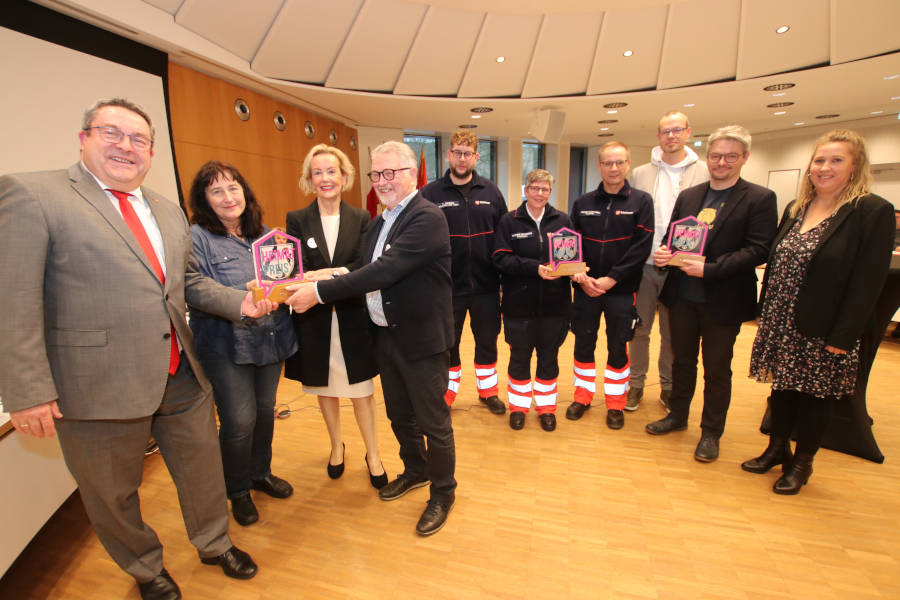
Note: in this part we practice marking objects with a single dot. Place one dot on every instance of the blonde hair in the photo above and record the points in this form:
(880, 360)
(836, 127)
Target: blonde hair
(860, 177)
(674, 114)
(737, 133)
(540, 175)
(462, 137)
(347, 169)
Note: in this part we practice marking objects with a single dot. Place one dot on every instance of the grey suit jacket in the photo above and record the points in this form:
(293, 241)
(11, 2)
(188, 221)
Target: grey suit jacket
(85, 320)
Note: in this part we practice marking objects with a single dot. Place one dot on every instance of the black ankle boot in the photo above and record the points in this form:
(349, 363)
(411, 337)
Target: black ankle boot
(778, 452)
(797, 475)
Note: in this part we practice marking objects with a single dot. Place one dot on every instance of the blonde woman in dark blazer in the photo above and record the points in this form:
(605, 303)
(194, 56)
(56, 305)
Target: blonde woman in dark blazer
(825, 270)
(336, 358)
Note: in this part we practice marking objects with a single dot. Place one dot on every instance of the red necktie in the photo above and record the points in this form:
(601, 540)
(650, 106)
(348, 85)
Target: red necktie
(134, 224)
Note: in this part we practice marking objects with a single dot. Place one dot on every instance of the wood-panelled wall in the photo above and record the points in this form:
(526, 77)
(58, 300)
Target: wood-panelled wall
(206, 127)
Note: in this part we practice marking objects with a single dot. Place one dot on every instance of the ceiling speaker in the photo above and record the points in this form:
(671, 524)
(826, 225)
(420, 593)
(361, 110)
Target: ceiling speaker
(548, 125)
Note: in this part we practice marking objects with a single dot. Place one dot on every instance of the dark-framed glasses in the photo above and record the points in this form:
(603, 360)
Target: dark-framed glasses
(466, 154)
(536, 189)
(730, 158)
(609, 164)
(387, 174)
(114, 135)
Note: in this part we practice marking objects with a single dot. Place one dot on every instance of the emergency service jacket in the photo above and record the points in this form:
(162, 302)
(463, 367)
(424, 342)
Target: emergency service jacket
(520, 247)
(472, 225)
(617, 234)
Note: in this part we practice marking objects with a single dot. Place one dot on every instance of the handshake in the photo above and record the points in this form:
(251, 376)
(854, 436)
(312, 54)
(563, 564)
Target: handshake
(299, 297)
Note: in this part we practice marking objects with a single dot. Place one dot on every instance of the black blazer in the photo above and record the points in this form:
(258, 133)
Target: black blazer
(413, 274)
(738, 241)
(845, 273)
(313, 328)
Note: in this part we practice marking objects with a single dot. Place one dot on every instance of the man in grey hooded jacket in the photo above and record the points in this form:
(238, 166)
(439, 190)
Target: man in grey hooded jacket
(672, 168)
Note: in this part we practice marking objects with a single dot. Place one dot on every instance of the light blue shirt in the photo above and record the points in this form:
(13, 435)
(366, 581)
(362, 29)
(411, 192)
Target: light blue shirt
(373, 299)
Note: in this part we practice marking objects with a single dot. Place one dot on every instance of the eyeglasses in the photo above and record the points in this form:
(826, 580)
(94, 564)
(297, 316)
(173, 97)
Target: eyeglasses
(113, 135)
(462, 154)
(534, 189)
(729, 158)
(387, 174)
(673, 131)
(609, 164)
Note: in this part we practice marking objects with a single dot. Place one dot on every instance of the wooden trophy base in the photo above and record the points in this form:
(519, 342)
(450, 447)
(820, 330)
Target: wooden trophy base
(572, 268)
(679, 259)
(279, 292)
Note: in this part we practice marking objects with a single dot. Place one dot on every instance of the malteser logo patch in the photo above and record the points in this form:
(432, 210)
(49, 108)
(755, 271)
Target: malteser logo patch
(624, 212)
(477, 202)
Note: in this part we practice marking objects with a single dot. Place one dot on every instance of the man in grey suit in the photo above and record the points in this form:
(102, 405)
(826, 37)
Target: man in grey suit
(94, 343)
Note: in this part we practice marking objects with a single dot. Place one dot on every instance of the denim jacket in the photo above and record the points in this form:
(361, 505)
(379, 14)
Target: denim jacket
(228, 260)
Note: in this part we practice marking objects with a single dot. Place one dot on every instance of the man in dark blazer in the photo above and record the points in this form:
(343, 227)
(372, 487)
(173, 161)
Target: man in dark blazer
(406, 280)
(710, 296)
(94, 343)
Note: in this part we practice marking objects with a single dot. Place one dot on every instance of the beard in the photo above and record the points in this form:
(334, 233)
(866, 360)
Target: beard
(462, 172)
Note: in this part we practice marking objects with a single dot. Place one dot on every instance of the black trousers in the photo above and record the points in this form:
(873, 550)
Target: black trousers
(484, 320)
(621, 320)
(414, 401)
(693, 327)
(525, 336)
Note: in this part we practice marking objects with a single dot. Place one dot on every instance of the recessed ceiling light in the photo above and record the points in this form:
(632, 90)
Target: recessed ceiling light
(876, 112)
(612, 112)
(777, 87)
(779, 94)
(500, 59)
(604, 129)
(895, 97)
(615, 105)
(828, 116)
(476, 116)
(799, 123)
(783, 29)
(481, 109)
(468, 126)
(698, 144)
(779, 104)
(894, 76)
(689, 105)
(627, 53)
(780, 112)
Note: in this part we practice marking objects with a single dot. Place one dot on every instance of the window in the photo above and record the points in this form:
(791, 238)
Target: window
(487, 159)
(532, 158)
(577, 172)
(432, 144)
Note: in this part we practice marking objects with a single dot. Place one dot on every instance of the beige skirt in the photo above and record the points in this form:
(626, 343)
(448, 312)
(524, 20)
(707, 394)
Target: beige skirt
(339, 385)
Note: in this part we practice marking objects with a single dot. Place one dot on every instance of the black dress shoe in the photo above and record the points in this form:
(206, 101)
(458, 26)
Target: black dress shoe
(516, 419)
(244, 510)
(778, 452)
(707, 449)
(399, 487)
(615, 419)
(235, 563)
(335, 471)
(665, 425)
(161, 587)
(795, 477)
(548, 421)
(494, 404)
(273, 486)
(377, 481)
(575, 410)
(434, 517)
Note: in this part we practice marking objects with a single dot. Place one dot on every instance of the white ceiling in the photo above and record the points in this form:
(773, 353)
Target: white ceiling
(422, 64)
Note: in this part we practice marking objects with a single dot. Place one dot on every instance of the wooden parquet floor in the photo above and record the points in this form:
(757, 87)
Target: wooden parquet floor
(581, 513)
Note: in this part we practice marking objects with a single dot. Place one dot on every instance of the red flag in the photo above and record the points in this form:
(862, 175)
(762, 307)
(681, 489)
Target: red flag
(372, 202)
(422, 180)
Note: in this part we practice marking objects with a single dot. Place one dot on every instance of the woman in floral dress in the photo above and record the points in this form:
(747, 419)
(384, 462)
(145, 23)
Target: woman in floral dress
(826, 267)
